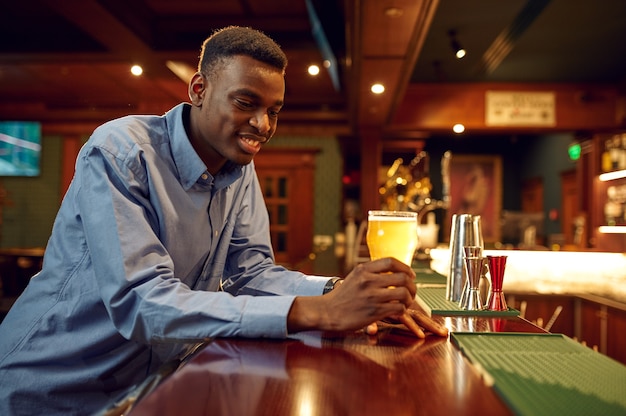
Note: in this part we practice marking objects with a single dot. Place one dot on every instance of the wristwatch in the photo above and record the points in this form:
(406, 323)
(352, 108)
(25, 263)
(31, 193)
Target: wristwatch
(330, 285)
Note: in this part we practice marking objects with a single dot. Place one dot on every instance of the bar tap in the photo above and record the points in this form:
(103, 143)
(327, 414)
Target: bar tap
(408, 187)
(444, 202)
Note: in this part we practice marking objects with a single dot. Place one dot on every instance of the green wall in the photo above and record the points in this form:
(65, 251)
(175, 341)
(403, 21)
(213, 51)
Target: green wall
(547, 157)
(328, 172)
(31, 203)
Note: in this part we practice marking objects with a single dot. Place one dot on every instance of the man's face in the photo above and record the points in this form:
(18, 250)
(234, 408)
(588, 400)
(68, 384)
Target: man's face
(235, 111)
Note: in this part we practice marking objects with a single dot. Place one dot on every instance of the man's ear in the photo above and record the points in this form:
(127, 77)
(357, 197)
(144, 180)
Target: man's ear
(197, 88)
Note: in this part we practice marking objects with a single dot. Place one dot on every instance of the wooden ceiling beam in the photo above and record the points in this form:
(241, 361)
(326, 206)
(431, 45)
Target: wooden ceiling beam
(504, 43)
(388, 39)
(102, 26)
(96, 21)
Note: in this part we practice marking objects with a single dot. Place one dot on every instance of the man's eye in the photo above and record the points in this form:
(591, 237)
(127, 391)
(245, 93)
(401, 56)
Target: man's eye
(244, 104)
(273, 113)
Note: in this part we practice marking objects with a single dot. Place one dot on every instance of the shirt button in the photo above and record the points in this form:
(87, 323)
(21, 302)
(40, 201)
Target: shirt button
(217, 233)
(205, 176)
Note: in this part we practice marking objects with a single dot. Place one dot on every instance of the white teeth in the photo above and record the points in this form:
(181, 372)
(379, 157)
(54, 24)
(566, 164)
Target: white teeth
(250, 141)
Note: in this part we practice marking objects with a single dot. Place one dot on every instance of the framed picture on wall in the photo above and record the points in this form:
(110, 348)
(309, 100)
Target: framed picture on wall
(476, 188)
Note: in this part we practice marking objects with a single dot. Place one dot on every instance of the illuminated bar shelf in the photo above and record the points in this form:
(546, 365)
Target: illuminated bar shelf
(612, 229)
(610, 176)
(606, 177)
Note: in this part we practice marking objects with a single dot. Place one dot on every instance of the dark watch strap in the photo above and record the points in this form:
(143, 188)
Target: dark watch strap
(330, 285)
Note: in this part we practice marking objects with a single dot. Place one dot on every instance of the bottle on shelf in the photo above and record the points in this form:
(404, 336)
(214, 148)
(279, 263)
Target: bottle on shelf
(615, 206)
(607, 165)
(622, 156)
(615, 151)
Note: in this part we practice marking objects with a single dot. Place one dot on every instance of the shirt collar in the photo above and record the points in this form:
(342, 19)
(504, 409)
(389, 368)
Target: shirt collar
(190, 166)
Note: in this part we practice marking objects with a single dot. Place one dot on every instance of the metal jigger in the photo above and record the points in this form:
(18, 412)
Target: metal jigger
(496, 301)
(474, 267)
(468, 251)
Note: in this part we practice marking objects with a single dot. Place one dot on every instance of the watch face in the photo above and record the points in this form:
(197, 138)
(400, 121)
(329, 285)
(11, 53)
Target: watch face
(330, 285)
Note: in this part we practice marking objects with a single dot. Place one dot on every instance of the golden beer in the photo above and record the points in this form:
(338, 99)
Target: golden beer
(392, 234)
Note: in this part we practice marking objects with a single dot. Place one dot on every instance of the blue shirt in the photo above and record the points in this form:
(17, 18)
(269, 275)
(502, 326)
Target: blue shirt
(143, 240)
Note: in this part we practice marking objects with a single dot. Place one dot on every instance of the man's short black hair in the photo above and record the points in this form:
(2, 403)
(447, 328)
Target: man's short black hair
(235, 40)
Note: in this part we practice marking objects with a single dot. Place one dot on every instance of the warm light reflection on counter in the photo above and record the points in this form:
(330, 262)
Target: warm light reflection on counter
(306, 400)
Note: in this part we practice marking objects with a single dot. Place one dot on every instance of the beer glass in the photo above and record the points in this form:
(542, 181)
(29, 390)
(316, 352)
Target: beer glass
(392, 234)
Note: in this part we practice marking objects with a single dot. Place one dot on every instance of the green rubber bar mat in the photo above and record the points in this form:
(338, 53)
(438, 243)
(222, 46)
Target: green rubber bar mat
(433, 300)
(429, 277)
(547, 374)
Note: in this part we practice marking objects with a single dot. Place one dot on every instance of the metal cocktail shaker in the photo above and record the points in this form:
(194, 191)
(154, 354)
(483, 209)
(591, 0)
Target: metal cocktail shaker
(465, 231)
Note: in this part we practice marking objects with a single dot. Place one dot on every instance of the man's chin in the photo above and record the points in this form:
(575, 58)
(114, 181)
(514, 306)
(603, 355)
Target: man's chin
(243, 161)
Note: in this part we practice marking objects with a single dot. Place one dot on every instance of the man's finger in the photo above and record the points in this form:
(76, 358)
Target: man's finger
(428, 323)
(408, 321)
(371, 329)
(386, 265)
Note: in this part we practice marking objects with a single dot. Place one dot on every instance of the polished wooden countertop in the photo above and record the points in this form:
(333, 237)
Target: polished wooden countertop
(313, 373)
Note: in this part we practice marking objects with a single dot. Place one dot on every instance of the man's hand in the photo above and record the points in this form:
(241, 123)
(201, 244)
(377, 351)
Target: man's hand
(422, 320)
(426, 322)
(372, 291)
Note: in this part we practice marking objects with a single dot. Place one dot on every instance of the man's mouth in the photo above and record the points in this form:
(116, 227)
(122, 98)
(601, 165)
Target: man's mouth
(250, 145)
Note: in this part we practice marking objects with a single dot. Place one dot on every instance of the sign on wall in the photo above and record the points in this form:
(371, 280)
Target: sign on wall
(519, 108)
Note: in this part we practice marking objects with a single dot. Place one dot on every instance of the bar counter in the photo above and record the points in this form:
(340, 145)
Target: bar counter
(316, 373)
(492, 363)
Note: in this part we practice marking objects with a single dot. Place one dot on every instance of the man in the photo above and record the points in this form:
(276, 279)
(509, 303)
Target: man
(163, 238)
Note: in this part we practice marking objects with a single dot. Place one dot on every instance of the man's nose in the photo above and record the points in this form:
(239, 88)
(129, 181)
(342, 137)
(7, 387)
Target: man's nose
(261, 122)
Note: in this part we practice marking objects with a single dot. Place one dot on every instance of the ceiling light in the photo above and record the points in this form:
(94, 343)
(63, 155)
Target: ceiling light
(394, 12)
(136, 70)
(458, 128)
(314, 70)
(377, 88)
(459, 51)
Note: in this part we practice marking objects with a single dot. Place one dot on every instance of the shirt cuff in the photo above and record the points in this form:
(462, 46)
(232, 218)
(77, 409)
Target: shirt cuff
(266, 316)
(313, 285)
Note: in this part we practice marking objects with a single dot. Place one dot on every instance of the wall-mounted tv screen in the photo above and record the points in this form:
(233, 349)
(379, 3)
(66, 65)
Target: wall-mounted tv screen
(20, 148)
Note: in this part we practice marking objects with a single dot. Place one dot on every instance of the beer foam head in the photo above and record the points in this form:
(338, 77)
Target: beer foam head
(392, 215)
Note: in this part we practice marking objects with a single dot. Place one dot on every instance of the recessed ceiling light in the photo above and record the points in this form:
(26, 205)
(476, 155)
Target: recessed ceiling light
(458, 128)
(314, 70)
(377, 88)
(394, 12)
(136, 70)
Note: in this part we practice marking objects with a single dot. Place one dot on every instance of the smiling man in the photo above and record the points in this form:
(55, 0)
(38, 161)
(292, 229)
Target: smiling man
(163, 238)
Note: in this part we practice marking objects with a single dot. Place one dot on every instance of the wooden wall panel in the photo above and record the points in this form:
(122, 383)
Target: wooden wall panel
(436, 107)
